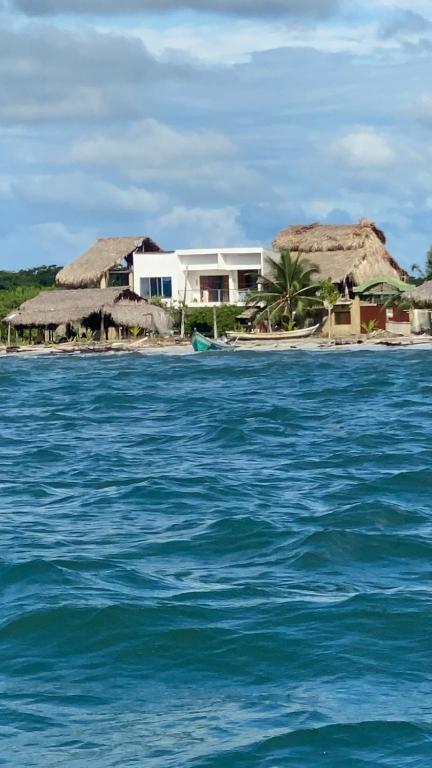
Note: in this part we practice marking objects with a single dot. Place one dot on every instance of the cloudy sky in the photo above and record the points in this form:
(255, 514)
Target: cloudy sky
(212, 122)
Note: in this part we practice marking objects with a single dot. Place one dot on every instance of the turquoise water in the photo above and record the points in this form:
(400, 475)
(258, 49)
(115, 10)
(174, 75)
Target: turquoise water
(217, 561)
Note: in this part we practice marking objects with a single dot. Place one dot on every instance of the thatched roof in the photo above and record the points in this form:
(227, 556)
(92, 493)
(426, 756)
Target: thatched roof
(149, 317)
(126, 308)
(348, 251)
(422, 294)
(105, 254)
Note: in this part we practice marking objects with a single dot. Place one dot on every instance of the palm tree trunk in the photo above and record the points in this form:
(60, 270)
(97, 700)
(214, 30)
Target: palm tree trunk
(269, 325)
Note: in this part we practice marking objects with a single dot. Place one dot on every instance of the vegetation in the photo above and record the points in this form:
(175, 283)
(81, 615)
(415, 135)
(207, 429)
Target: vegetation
(288, 292)
(423, 274)
(42, 277)
(17, 287)
(329, 296)
(201, 319)
(370, 326)
(428, 270)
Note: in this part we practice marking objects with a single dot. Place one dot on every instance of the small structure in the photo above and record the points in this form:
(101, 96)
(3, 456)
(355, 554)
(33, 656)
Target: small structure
(420, 298)
(199, 277)
(99, 309)
(347, 254)
(108, 261)
(421, 295)
(355, 258)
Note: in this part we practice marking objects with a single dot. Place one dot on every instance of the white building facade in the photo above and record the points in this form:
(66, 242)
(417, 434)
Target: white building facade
(203, 277)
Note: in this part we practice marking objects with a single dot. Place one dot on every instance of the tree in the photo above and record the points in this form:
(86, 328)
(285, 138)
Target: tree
(286, 292)
(428, 270)
(426, 273)
(329, 296)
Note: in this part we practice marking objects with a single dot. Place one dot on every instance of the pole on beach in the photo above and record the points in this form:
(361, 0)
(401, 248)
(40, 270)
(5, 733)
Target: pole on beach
(9, 335)
(329, 308)
(182, 323)
(183, 310)
(215, 328)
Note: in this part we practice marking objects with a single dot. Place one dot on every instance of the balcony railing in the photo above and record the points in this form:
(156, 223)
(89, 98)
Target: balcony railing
(213, 296)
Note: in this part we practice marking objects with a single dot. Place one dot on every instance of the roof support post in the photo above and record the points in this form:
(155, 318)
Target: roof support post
(9, 335)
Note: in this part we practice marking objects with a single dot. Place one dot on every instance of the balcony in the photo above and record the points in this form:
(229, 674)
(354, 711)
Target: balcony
(213, 296)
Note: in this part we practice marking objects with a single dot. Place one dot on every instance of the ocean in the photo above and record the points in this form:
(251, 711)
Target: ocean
(216, 561)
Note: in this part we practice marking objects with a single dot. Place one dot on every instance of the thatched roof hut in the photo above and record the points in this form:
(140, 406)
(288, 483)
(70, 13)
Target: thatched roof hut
(351, 253)
(422, 294)
(106, 254)
(120, 305)
(149, 317)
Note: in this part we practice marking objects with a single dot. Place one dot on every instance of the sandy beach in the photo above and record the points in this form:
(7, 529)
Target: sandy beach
(179, 347)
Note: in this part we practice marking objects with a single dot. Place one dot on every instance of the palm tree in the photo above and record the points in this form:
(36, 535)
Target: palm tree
(286, 291)
(329, 295)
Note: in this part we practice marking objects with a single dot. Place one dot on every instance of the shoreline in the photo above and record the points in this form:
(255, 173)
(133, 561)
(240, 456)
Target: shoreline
(179, 347)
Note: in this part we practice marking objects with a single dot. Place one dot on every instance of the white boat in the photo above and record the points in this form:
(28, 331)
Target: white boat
(301, 333)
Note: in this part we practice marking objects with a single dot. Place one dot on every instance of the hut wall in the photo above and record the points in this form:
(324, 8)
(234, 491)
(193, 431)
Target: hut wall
(346, 320)
(375, 312)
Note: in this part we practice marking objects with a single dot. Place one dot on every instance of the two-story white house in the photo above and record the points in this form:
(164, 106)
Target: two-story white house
(202, 277)
(199, 276)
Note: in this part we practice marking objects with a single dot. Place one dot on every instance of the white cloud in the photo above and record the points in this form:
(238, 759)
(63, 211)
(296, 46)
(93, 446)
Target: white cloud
(202, 228)
(423, 107)
(364, 149)
(84, 193)
(56, 244)
(240, 7)
(190, 165)
(422, 7)
(149, 146)
(222, 45)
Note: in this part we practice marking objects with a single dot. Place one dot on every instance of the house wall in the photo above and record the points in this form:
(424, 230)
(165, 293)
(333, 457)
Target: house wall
(186, 267)
(345, 329)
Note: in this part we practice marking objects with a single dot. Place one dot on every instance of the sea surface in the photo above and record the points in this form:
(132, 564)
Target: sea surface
(216, 561)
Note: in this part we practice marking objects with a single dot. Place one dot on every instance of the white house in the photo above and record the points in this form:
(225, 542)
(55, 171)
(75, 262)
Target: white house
(199, 276)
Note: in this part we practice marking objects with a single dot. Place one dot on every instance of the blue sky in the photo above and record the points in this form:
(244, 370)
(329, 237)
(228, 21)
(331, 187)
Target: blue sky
(212, 122)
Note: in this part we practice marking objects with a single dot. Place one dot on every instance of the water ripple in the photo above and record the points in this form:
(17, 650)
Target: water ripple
(216, 562)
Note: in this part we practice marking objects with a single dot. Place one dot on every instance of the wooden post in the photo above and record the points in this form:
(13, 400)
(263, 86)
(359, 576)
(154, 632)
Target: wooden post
(102, 325)
(183, 311)
(215, 328)
(9, 335)
(329, 308)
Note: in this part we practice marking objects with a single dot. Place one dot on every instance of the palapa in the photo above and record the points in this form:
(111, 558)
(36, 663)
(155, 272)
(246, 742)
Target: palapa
(61, 307)
(346, 252)
(422, 294)
(106, 254)
(149, 317)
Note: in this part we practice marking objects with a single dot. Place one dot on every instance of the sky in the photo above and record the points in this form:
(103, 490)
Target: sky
(212, 123)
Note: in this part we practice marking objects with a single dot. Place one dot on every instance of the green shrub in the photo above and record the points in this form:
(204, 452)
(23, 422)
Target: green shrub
(201, 319)
(370, 326)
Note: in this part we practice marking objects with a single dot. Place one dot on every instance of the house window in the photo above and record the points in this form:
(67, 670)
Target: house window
(247, 279)
(214, 289)
(156, 286)
(342, 317)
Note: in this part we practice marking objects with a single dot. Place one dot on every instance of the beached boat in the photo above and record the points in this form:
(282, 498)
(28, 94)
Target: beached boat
(202, 343)
(301, 333)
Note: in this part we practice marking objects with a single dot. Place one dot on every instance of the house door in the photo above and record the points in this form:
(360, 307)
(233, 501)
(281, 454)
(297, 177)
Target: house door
(214, 289)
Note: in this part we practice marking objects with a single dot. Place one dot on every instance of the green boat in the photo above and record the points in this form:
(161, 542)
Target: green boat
(202, 343)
